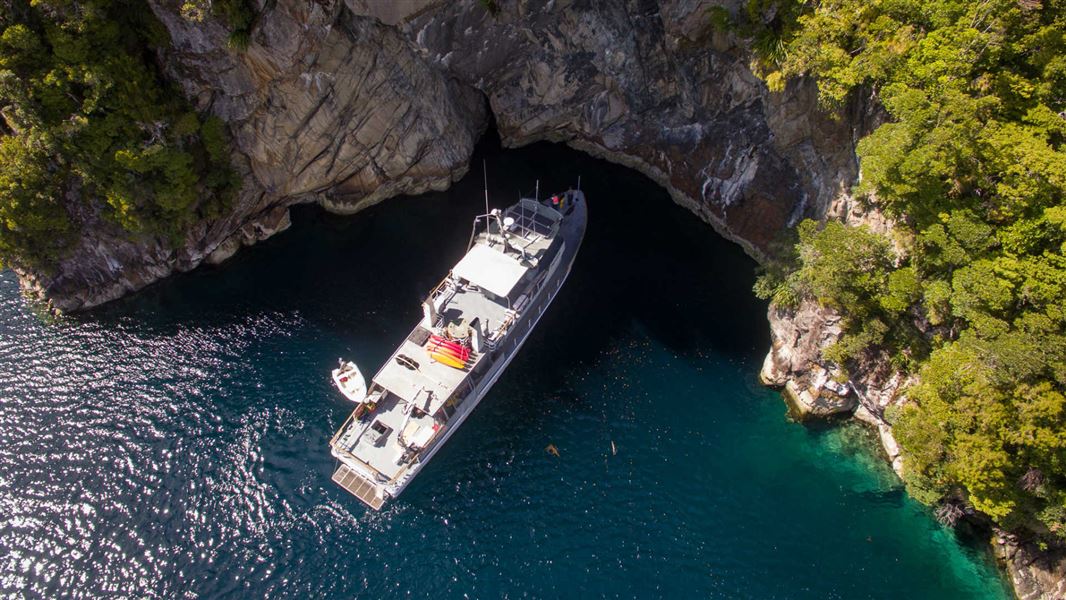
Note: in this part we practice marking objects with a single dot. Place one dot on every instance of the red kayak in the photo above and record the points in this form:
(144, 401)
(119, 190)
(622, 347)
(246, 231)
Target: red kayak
(460, 353)
(445, 343)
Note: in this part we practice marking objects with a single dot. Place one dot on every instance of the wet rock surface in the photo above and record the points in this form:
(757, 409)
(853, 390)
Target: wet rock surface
(1035, 575)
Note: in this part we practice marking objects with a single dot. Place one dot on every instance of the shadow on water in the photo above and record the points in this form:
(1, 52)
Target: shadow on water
(205, 405)
(644, 259)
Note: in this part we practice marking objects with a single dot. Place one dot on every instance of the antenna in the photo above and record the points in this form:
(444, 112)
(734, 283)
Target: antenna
(536, 193)
(485, 171)
(579, 183)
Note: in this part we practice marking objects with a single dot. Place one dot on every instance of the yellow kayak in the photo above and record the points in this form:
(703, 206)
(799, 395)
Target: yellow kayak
(444, 359)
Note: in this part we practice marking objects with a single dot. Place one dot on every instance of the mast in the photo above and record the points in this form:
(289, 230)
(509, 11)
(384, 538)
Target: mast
(485, 172)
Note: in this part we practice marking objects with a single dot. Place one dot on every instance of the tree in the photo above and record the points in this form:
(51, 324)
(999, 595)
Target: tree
(81, 94)
(971, 165)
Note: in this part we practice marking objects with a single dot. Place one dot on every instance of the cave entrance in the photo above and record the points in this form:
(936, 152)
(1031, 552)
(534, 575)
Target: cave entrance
(644, 259)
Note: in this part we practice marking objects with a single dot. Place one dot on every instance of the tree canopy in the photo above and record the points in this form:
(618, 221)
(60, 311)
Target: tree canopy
(87, 119)
(971, 293)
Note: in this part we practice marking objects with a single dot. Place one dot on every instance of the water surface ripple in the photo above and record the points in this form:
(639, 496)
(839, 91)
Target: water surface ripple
(174, 444)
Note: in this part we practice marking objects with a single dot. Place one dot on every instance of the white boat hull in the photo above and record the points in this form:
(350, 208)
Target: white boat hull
(349, 381)
(376, 483)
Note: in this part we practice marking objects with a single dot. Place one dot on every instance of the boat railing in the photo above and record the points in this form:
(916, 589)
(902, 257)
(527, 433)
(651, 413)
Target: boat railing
(401, 476)
(377, 474)
(403, 473)
(505, 325)
(348, 453)
(538, 282)
(444, 286)
(341, 430)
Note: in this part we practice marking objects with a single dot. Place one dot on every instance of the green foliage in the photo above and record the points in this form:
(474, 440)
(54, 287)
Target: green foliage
(778, 288)
(903, 291)
(237, 15)
(85, 110)
(972, 167)
(240, 17)
(768, 25)
(719, 18)
(850, 269)
(891, 414)
(34, 227)
(239, 40)
(843, 266)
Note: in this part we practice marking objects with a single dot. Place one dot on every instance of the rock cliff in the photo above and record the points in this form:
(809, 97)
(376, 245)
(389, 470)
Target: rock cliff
(348, 103)
(1035, 575)
(324, 106)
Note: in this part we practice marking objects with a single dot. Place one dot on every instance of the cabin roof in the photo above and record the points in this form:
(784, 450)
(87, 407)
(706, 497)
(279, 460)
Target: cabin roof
(490, 269)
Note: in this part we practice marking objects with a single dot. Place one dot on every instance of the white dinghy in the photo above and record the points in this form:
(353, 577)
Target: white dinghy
(350, 381)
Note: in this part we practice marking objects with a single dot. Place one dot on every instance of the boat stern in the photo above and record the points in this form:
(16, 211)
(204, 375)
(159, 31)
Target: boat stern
(366, 490)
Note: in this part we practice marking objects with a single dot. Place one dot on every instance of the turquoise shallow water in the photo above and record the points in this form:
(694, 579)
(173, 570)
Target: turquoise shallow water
(174, 443)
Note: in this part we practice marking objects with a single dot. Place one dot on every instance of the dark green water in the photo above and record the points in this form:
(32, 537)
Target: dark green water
(174, 443)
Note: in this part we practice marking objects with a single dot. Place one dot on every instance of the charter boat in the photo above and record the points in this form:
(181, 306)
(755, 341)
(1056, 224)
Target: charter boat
(473, 323)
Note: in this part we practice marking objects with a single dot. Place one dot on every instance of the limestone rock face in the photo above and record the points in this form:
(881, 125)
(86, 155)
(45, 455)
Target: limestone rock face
(795, 363)
(798, 337)
(641, 83)
(345, 103)
(324, 106)
(1035, 575)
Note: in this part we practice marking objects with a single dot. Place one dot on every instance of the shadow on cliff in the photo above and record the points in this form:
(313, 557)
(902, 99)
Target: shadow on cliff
(645, 261)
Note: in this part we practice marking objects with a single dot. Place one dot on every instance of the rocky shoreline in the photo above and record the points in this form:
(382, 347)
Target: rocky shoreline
(345, 103)
(815, 390)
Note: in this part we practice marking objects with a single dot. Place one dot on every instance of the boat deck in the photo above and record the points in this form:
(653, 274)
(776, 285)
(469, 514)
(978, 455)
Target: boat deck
(406, 412)
(415, 377)
(384, 453)
(467, 305)
(534, 228)
(417, 386)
